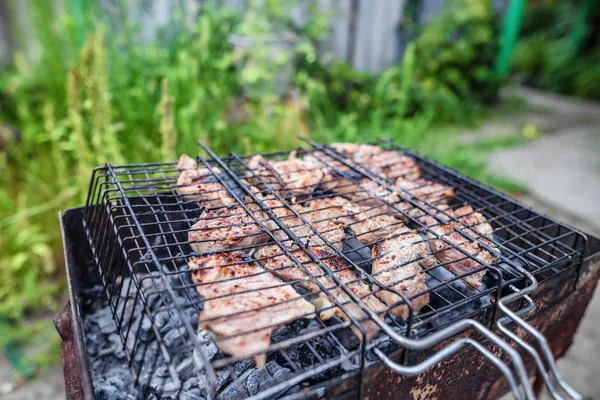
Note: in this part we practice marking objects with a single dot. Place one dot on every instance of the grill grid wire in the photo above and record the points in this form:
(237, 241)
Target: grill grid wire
(136, 222)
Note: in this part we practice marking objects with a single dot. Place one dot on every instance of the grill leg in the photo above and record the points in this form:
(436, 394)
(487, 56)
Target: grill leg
(68, 349)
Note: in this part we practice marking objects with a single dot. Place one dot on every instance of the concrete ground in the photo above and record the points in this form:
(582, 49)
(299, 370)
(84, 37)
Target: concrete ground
(562, 171)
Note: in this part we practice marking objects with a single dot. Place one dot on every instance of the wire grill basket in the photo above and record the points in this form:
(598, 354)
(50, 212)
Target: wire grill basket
(290, 272)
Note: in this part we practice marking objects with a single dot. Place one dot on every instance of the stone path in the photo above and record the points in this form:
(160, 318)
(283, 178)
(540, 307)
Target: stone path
(561, 170)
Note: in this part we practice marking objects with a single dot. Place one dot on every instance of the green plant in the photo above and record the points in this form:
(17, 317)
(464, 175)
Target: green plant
(94, 97)
(545, 56)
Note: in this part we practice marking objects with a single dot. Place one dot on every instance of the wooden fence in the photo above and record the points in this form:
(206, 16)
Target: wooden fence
(367, 34)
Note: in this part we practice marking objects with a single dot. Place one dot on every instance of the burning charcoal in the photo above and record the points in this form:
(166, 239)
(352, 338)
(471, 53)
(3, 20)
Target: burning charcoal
(170, 388)
(161, 371)
(255, 381)
(114, 384)
(149, 352)
(161, 319)
(281, 334)
(185, 369)
(209, 348)
(105, 321)
(194, 388)
(222, 377)
(115, 343)
(174, 337)
(240, 367)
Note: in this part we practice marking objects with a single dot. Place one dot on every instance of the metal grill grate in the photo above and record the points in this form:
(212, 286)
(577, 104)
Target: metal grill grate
(289, 232)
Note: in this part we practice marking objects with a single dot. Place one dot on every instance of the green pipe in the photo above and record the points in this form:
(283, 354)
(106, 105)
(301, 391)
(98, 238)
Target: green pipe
(581, 27)
(510, 35)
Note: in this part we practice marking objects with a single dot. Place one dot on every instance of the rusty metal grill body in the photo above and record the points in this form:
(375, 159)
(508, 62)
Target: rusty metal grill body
(137, 226)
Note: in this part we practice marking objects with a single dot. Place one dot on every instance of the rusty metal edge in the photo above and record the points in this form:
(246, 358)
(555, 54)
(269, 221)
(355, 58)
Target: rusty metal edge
(69, 326)
(467, 374)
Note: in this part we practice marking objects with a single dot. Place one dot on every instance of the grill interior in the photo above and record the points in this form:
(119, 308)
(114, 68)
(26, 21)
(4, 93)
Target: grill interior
(137, 224)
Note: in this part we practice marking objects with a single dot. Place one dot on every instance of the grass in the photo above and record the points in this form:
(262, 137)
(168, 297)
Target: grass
(100, 96)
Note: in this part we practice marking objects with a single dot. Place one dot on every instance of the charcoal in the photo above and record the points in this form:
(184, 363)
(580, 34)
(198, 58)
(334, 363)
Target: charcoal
(185, 369)
(161, 371)
(146, 352)
(105, 321)
(222, 377)
(174, 337)
(170, 388)
(161, 319)
(190, 384)
(209, 348)
(254, 381)
(114, 342)
(282, 334)
(240, 367)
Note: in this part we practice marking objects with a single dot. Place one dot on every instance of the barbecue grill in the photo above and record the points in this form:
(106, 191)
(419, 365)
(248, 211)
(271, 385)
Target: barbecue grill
(135, 325)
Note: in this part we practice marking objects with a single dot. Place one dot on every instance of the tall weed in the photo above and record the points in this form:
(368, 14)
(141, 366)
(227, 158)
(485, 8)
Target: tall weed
(102, 96)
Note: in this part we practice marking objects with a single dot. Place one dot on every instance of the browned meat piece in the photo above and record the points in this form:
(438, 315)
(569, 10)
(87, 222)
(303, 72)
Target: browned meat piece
(321, 210)
(468, 218)
(367, 194)
(389, 163)
(274, 260)
(398, 263)
(380, 197)
(199, 184)
(449, 254)
(358, 152)
(294, 177)
(243, 303)
(226, 228)
(331, 230)
(369, 223)
(477, 221)
(425, 190)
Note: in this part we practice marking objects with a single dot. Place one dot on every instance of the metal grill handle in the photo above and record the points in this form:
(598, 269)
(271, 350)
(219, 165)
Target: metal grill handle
(549, 378)
(451, 349)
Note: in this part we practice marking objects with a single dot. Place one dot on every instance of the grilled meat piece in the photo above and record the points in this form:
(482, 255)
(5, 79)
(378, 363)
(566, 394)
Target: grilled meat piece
(449, 254)
(389, 163)
(398, 263)
(226, 228)
(325, 209)
(293, 177)
(478, 222)
(200, 184)
(331, 230)
(274, 260)
(366, 193)
(425, 190)
(369, 223)
(243, 303)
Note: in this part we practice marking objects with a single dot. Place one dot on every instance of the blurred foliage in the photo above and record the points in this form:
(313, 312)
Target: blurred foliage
(97, 94)
(545, 57)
